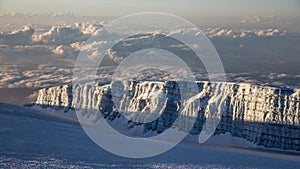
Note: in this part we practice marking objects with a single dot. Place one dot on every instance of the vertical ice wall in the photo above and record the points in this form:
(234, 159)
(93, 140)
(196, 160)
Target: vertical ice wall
(267, 116)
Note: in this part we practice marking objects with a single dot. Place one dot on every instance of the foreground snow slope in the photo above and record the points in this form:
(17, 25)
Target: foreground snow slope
(264, 115)
(32, 139)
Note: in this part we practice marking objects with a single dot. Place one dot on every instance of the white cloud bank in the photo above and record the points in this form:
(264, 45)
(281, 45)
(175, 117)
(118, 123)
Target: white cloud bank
(239, 48)
(13, 76)
(22, 36)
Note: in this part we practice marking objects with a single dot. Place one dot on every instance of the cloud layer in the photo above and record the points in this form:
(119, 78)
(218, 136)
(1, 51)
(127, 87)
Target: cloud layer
(14, 76)
(22, 36)
(267, 56)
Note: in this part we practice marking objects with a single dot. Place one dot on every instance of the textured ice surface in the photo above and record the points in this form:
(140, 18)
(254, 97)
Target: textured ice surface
(264, 115)
(32, 139)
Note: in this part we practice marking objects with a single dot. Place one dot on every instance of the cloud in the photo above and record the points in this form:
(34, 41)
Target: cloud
(48, 14)
(59, 50)
(90, 29)
(57, 41)
(66, 51)
(14, 76)
(21, 36)
(260, 19)
(61, 36)
(43, 76)
(25, 51)
(241, 50)
(270, 32)
(216, 32)
(229, 33)
(67, 40)
(112, 55)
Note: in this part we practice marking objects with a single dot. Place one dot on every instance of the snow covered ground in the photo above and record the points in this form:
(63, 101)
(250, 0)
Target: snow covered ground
(35, 139)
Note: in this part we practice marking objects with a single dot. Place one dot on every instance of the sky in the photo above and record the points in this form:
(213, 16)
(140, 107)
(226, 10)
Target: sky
(198, 8)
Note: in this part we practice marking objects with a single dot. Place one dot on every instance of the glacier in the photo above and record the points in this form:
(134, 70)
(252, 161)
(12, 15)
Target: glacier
(264, 115)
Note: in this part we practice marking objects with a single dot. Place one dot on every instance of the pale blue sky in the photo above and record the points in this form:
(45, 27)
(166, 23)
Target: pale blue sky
(177, 7)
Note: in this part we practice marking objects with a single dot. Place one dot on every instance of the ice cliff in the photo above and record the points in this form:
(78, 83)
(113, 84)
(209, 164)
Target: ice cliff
(265, 115)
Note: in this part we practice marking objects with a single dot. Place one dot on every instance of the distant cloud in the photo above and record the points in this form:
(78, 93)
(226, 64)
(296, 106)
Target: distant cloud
(22, 36)
(49, 14)
(61, 36)
(241, 50)
(66, 51)
(90, 29)
(44, 75)
(59, 50)
(25, 51)
(270, 32)
(259, 19)
(229, 33)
